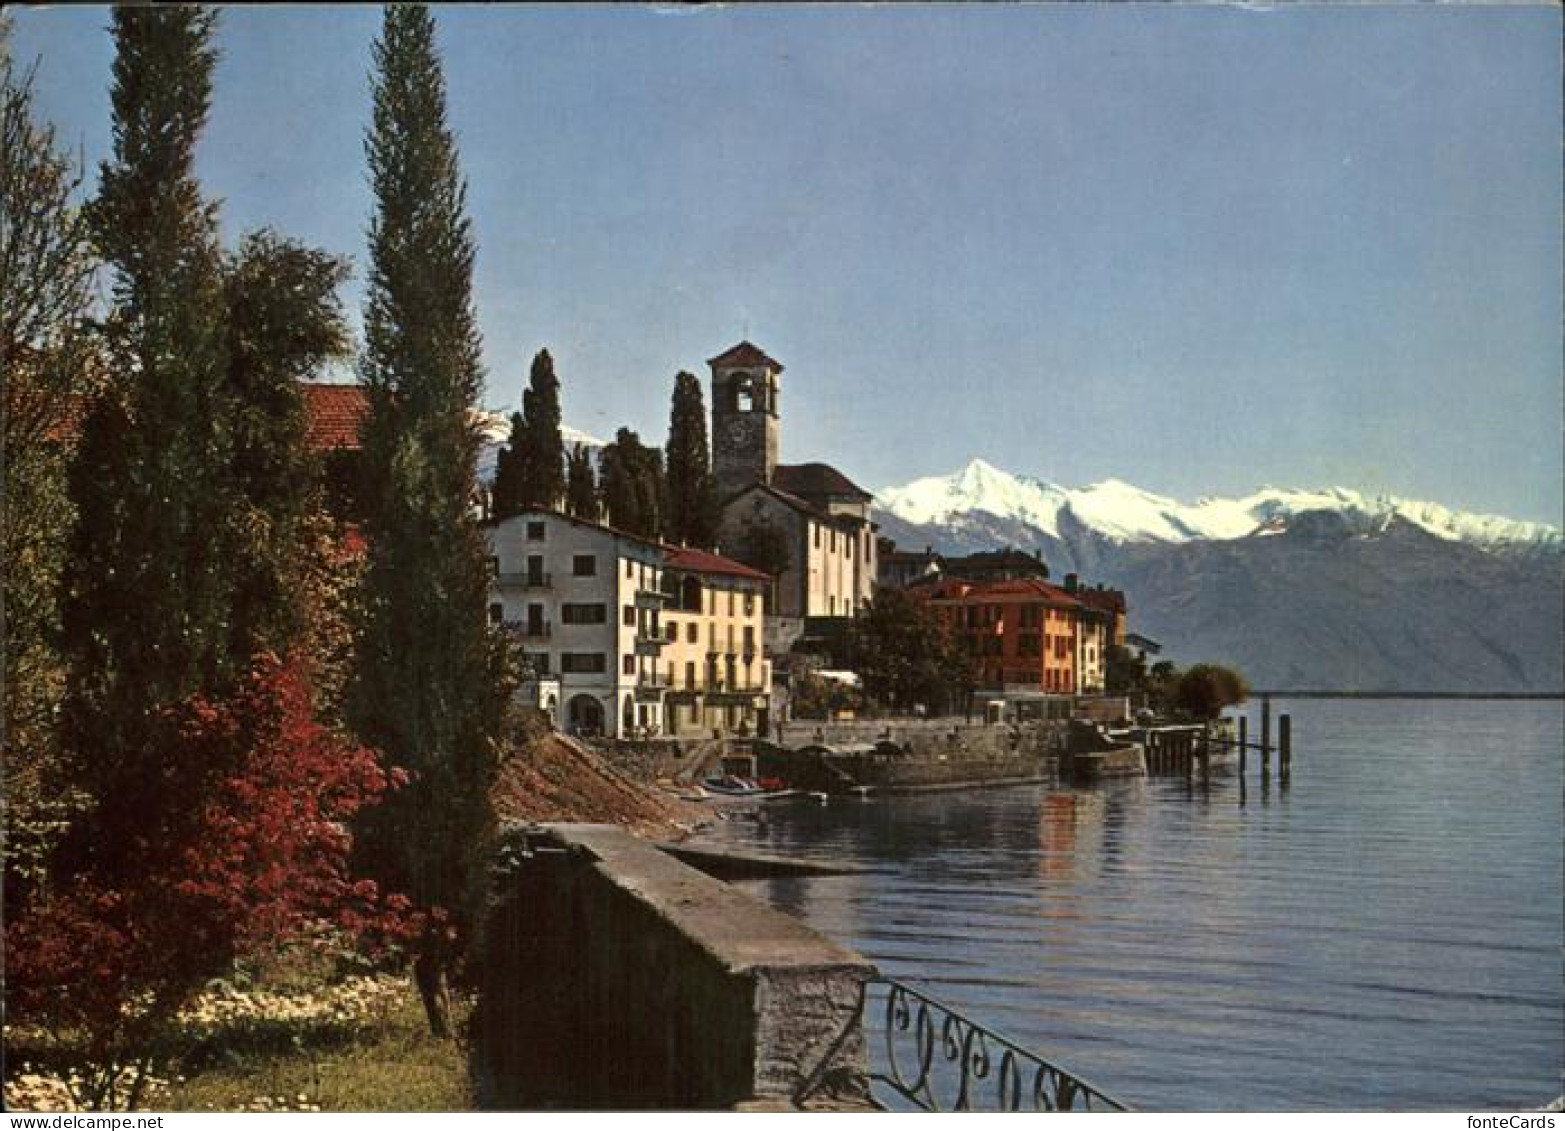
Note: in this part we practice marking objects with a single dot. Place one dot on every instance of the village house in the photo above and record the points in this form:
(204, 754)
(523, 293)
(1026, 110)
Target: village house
(815, 517)
(1024, 634)
(624, 636)
(716, 674)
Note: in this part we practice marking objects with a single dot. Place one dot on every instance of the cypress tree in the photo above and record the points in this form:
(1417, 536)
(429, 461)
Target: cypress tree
(507, 496)
(692, 493)
(284, 322)
(581, 486)
(430, 686)
(630, 483)
(542, 450)
(145, 588)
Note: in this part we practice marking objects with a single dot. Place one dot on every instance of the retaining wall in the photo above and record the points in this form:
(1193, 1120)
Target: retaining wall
(615, 976)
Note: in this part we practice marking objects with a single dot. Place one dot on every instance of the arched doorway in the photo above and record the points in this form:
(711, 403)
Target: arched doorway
(585, 714)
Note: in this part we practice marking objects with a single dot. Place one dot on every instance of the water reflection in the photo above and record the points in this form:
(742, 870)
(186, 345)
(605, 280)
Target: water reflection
(1383, 933)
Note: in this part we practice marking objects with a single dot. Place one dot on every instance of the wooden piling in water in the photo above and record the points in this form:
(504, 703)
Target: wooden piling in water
(1266, 735)
(1285, 745)
(1244, 737)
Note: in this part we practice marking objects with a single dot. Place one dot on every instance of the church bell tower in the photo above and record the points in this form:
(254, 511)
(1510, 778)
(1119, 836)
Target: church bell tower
(746, 431)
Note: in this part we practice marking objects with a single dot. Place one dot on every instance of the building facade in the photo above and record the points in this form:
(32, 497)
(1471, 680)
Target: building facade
(1023, 634)
(625, 637)
(816, 519)
(585, 603)
(716, 676)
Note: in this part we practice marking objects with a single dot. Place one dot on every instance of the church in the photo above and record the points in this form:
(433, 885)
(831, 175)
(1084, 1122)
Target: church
(813, 520)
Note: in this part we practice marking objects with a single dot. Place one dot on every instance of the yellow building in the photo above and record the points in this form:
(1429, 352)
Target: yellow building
(714, 671)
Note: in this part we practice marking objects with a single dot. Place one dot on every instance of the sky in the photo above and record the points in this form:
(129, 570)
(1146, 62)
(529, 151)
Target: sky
(1198, 248)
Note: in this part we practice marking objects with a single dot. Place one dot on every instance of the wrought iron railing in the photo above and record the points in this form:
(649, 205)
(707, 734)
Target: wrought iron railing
(935, 1058)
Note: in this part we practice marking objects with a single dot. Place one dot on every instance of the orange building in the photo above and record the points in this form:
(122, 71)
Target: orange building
(1019, 633)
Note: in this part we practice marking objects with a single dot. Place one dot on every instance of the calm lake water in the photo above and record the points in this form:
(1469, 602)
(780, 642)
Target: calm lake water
(1384, 934)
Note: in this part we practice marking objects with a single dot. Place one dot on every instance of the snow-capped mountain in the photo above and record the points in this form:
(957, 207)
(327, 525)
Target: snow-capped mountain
(1330, 589)
(1119, 512)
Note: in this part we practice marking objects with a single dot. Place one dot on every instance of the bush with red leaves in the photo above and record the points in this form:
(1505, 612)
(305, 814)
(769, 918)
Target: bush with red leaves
(107, 961)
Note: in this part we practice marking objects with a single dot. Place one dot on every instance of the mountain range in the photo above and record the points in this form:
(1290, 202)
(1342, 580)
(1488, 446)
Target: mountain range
(1322, 589)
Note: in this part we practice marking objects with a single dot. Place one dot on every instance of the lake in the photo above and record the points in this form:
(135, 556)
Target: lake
(1385, 934)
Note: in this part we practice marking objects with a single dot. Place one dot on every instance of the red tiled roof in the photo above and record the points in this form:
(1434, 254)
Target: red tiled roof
(1111, 600)
(699, 561)
(814, 480)
(333, 414)
(745, 354)
(1020, 587)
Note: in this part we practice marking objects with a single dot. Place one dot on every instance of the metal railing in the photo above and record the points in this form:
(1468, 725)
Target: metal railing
(939, 1060)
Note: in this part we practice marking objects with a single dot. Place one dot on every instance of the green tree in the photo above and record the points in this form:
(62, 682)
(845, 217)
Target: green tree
(1205, 689)
(506, 498)
(692, 492)
(905, 658)
(581, 485)
(47, 363)
(284, 323)
(432, 681)
(542, 449)
(630, 481)
(146, 583)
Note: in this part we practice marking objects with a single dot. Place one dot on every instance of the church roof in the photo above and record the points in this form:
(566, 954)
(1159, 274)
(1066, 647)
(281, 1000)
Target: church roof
(814, 481)
(745, 354)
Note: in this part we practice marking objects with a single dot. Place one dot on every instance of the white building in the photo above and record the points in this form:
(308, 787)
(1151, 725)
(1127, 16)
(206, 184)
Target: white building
(586, 604)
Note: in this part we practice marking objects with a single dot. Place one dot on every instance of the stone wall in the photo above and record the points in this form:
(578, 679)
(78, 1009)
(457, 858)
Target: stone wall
(616, 977)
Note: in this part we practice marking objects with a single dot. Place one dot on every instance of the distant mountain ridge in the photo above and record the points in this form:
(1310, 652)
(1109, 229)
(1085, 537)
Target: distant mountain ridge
(1120, 512)
(1330, 589)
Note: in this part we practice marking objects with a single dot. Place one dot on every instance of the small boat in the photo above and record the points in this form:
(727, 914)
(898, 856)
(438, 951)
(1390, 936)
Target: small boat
(730, 786)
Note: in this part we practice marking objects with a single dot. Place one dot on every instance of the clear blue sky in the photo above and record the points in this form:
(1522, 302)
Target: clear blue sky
(1197, 248)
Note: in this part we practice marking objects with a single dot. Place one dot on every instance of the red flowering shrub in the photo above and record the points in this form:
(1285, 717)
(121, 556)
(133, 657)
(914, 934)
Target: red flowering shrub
(261, 855)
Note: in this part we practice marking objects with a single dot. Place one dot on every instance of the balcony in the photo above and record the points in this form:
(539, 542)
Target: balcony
(651, 599)
(521, 630)
(650, 645)
(526, 580)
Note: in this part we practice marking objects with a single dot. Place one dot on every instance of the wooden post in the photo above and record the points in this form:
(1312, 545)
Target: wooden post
(1285, 745)
(1187, 752)
(1206, 754)
(1266, 735)
(1244, 737)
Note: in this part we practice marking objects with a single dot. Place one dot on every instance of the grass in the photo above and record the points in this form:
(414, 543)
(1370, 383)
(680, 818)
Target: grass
(391, 1064)
(294, 1033)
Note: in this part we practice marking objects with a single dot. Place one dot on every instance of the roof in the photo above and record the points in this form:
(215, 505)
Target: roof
(333, 414)
(745, 354)
(1007, 558)
(1023, 588)
(700, 561)
(1111, 600)
(815, 480)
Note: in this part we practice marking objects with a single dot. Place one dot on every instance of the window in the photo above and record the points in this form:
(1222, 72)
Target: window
(583, 663)
(749, 641)
(628, 665)
(690, 672)
(630, 568)
(535, 574)
(535, 531)
(629, 617)
(817, 530)
(730, 602)
(496, 613)
(584, 565)
(494, 566)
(539, 661)
(671, 632)
(693, 633)
(584, 614)
(749, 604)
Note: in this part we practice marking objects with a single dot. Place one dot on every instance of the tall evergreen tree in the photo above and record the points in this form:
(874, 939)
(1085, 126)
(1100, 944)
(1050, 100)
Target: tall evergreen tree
(506, 498)
(630, 484)
(692, 493)
(430, 688)
(284, 323)
(542, 450)
(581, 485)
(146, 584)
